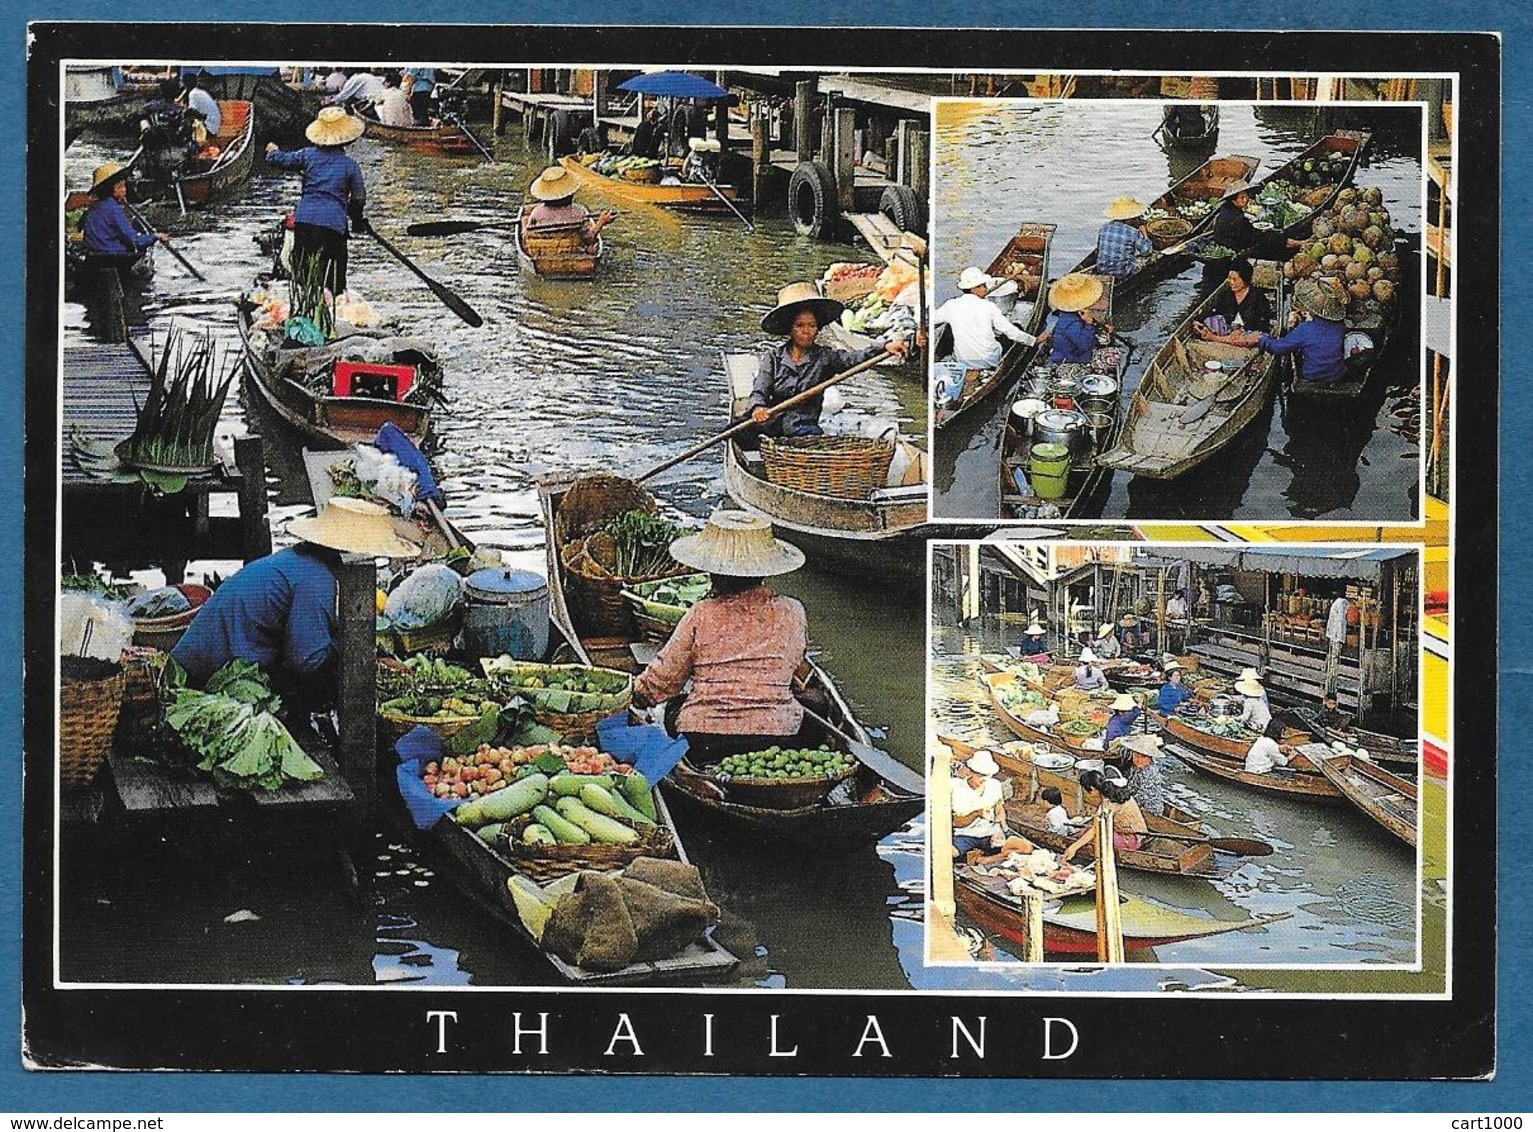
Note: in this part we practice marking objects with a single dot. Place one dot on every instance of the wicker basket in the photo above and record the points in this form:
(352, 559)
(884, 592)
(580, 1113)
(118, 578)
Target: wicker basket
(778, 793)
(446, 727)
(593, 594)
(656, 620)
(435, 639)
(164, 632)
(143, 669)
(90, 699)
(593, 501)
(577, 727)
(843, 467)
(643, 175)
(544, 863)
(1167, 231)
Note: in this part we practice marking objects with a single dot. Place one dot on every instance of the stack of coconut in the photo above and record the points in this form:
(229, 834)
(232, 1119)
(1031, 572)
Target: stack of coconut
(1355, 247)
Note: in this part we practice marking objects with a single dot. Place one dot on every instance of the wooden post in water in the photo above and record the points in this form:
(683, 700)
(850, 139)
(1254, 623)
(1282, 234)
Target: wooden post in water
(940, 816)
(802, 94)
(901, 171)
(919, 144)
(761, 156)
(497, 106)
(357, 677)
(255, 532)
(1032, 908)
(1109, 915)
(845, 156)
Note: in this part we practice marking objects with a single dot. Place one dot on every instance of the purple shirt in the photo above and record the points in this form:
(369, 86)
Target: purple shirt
(1318, 343)
(332, 183)
(108, 232)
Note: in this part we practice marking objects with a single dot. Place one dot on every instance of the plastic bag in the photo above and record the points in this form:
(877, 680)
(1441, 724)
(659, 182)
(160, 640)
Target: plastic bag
(426, 597)
(385, 478)
(90, 625)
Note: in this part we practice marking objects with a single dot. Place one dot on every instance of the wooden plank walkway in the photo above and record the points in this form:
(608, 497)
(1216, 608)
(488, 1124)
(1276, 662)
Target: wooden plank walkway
(148, 790)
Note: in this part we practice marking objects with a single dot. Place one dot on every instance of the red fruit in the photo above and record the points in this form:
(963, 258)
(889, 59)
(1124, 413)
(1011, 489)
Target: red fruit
(460, 790)
(430, 781)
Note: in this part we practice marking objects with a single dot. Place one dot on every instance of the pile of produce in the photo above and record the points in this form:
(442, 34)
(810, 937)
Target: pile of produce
(232, 730)
(430, 690)
(1354, 248)
(1277, 205)
(611, 165)
(1212, 250)
(851, 277)
(1020, 697)
(779, 762)
(1193, 210)
(889, 306)
(565, 809)
(680, 593)
(633, 547)
(174, 430)
(1326, 169)
(1027, 270)
(560, 688)
(488, 769)
(1223, 726)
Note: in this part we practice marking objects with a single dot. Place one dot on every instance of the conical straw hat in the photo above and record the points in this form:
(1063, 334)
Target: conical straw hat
(739, 545)
(106, 176)
(1124, 208)
(554, 183)
(333, 126)
(796, 297)
(355, 526)
(1075, 292)
(1088, 657)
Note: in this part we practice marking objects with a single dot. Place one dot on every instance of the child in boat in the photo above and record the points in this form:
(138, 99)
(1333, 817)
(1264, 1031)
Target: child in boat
(1056, 819)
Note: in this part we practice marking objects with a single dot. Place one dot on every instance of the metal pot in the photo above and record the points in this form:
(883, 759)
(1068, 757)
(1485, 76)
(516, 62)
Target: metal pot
(1023, 412)
(1067, 427)
(1099, 385)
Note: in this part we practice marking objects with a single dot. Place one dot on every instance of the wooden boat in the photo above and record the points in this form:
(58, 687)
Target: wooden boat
(880, 797)
(1368, 337)
(1025, 258)
(556, 253)
(485, 876)
(1069, 924)
(1226, 759)
(1206, 185)
(443, 140)
(1380, 747)
(1177, 417)
(1018, 498)
(1352, 143)
(1387, 798)
(204, 182)
(1018, 726)
(1171, 855)
(322, 418)
(1205, 138)
(883, 531)
(688, 197)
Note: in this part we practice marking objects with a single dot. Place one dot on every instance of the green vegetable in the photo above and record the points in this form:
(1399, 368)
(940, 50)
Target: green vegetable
(505, 803)
(536, 834)
(636, 790)
(565, 832)
(490, 834)
(599, 826)
(604, 801)
(234, 734)
(181, 409)
(642, 544)
(568, 785)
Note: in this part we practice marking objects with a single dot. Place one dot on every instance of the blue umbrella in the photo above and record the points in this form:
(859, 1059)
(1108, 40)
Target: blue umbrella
(674, 84)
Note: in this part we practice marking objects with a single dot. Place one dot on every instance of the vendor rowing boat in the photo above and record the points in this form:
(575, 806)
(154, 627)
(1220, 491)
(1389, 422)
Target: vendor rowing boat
(441, 140)
(556, 253)
(205, 178)
(1225, 758)
(678, 196)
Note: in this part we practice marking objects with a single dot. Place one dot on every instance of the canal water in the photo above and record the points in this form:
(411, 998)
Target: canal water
(998, 165)
(1347, 888)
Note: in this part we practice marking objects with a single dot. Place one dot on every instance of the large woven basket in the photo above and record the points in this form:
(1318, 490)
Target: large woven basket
(544, 863)
(90, 698)
(577, 727)
(593, 594)
(643, 174)
(843, 467)
(656, 620)
(1167, 231)
(593, 501)
(163, 632)
(779, 793)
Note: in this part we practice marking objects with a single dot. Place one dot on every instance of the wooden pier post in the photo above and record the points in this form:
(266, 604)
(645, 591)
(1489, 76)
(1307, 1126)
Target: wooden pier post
(803, 93)
(761, 156)
(844, 156)
(1109, 914)
(255, 531)
(939, 801)
(356, 679)
(1032, 908)
(919, 143)
(497, 107)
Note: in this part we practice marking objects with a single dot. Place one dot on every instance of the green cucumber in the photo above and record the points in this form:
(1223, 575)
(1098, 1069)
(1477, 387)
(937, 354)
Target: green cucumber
(490, 834)
(567, 785)
(536, 834)
(611, 803)
(565, 832)
(636, 791)
(504, 804)
(599, 826)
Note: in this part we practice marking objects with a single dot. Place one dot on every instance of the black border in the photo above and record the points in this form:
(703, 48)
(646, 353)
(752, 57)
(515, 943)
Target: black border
(375, 1031)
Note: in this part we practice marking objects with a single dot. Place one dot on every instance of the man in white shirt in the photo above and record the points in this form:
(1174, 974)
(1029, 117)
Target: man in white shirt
(203, 103)
(362, 87)
(979, 811)
(1176, 607)
(1254, 713)
(392, 106)
(1336, 640)
(977, 324)
(1265, 755)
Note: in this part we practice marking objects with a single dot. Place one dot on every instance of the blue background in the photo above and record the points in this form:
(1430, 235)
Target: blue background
(22, 1092)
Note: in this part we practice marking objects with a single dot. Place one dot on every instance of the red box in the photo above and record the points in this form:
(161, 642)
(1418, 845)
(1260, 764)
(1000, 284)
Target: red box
(364, 379)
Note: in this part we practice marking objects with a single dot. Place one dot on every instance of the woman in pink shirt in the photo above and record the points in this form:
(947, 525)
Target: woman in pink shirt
(554, 190)
(740, 646)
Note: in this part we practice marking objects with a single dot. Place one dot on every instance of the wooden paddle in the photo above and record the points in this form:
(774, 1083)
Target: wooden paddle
(703, 177)
(181, 259)
(773, 411)
(455, 227)
(1240, 846)
(448, 297)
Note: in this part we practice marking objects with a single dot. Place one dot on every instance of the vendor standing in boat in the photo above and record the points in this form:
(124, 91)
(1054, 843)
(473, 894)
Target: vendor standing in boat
(554, 190)
(333, 192)
(1074, 334)
(1088, 677)
(1318, 340)
(279, 612)
(110, 239)
(740, 646)
(1121, 244)
(798, 364)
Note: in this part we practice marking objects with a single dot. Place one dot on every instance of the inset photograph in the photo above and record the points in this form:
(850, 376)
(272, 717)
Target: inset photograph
(1204, 755)
(1174, 310)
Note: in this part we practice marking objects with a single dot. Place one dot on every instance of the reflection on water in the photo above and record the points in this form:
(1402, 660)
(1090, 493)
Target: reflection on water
(1061, 163)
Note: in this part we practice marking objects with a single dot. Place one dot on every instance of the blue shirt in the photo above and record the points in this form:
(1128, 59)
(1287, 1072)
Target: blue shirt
(332, 182)
(1074, 339)
(425, 79)
(108, 232)
(1034, 646)
(1121, 724)
(1118, 246)
(1172, 696)
(1318, 342)
(205, 104)
(277, 610)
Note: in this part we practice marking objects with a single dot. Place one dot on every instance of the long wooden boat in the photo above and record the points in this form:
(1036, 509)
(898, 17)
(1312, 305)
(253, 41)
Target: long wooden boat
(205, 182)
(1351, 143)
(1380, 747)
(881, 796)
(1387, 798)
(1194, 199)
(686, 197)
(561, 259)
(1169, 429)
(1226, 759)
(1069, 924)
(1205, 138)
(1019, 499)
(1025, 258)
(883, 531)
(443, 140)
(321, 418)
(1018, 725)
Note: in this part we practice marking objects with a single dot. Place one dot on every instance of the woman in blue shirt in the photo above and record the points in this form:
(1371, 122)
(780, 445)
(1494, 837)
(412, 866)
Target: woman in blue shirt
(110, 238)
(1173, 693)
(1318, 340)
(1125, 713)
(332, 192)
(1074, 334)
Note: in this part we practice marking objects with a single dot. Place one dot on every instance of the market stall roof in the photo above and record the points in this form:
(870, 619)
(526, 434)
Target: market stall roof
(1354, 565)
(674, 84)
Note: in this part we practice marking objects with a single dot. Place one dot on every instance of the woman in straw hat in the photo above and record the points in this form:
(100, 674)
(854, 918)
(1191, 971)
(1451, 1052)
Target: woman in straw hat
(1255, 712)
(1034, 639)
(979, 813)
(1173, 693)
(1125, 713)
(554, 190)
(1144, 781)
(1120, 243)
(740, 646)
(279, 612)
(799, 363)
(1088, 677)
(1106, 645)
(110, 238)
(332, 192)
(1074, 333)
(1318, 339)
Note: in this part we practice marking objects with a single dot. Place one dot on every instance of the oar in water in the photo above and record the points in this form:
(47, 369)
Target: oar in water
(469, 134)
(749, 227)
(450, 299)
(454, 227)
(181, 259)
(1240, 846)
(775, 410)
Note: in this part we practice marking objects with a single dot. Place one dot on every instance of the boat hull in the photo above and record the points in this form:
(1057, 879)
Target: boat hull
(236, 139)
(439, 141)
(681, 198)
(1385, 798)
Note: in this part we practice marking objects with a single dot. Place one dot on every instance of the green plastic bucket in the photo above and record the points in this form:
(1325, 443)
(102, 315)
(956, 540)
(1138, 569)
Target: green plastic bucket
(1049, 470)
